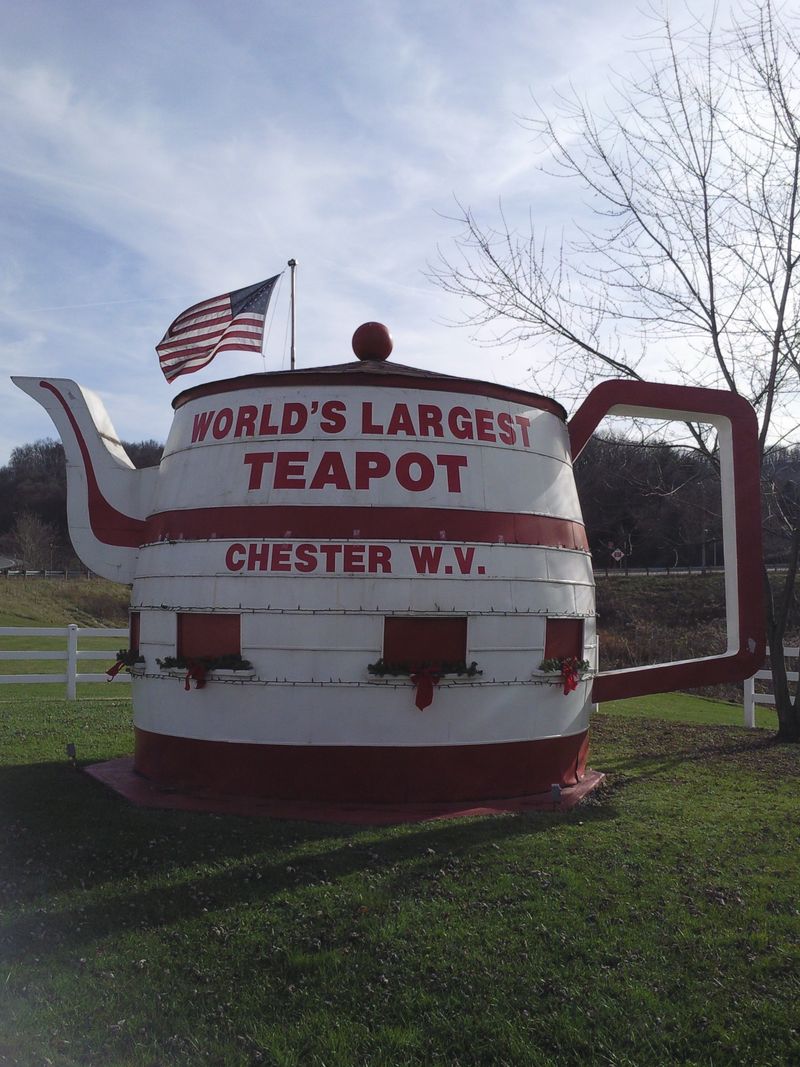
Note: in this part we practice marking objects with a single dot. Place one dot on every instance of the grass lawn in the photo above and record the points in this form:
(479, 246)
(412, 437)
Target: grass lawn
(657, 924)
(56, 602)
(683, 707)
(13, 693)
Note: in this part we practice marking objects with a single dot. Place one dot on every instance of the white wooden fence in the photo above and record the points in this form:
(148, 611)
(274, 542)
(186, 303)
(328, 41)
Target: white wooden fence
(751, 697)
(72, 654)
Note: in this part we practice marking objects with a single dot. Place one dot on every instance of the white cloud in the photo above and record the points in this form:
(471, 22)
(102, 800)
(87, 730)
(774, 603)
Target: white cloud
(157, 153)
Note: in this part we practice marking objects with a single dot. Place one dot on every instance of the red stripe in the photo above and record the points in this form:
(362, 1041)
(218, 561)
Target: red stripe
(201, 320)
(191, 338)
(174, 348)
(685, 674)
(171, 349)
(119, 775)
(108, 525)
(179, 353)
(180, 357)
(178, 360)
(185, 368)
(241, 342)
(424, 524)
(242, 331)
(205, 306)
(670, 399)
(249, 318)
(239, 345)
(359, 375)
(363, 773)
(172, 364)
(185, 351)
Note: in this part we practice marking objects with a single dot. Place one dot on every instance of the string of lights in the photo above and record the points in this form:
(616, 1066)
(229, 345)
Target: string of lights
(311, 683)
(550, 613)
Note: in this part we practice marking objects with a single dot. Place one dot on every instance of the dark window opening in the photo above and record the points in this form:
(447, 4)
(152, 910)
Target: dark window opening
(563, 639)
(424, 640)
(208, 636)
(133, 631)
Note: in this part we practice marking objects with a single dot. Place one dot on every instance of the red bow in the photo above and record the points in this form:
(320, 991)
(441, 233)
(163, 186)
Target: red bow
(112, 672)
(197, 671)
(570, 674)
(425, 678)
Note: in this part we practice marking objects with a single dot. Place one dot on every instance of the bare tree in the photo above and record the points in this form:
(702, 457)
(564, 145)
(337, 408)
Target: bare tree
(693, 179)
(34, 541)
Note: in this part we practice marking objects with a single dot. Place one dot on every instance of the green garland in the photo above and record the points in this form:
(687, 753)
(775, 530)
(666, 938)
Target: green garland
(128, 657)
(210, 663)
(406, 667)
(555, 665)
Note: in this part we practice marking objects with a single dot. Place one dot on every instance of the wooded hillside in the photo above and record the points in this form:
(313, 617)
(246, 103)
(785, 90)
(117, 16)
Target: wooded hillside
(33, 502)
(656, 503)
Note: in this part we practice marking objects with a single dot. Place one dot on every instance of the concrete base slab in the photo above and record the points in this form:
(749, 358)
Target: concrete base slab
(119, 775)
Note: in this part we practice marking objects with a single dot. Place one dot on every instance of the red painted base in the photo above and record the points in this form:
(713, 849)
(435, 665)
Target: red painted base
(119, 775)
(362, 774)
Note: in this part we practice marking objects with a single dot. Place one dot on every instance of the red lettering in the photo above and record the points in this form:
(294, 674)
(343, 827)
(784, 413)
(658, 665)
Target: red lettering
(452, 465)
(257, 461)
(281, 557)
(426, 472)
(246, 421)
(464, 558)
(426, 558)
(266, 427)
(258, 556)
(333, 416)
(354, 559)
(234, 557)
(401, 421)
(306, 556)
(380, 559)
(484, 422)
(524, 423)
(506, 425)
(367, 425)
(459, 423)
(290, 470)
(222, 423)
(331, 471)
(284, 557)
(370, 465)
(430, 420)
(294, 418)
(330, 552)
(202, 421)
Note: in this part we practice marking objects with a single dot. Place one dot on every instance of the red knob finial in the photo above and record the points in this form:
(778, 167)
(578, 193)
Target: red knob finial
(372, 340)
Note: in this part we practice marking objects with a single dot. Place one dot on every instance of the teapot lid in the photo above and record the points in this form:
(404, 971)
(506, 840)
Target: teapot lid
(372, 369)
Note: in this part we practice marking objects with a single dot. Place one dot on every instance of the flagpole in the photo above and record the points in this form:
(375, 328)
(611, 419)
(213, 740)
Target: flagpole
(292, 264)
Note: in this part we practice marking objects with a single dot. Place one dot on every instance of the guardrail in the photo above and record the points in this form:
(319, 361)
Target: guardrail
(13, 573)
(72, 654)
(751, 697)
(612, 571)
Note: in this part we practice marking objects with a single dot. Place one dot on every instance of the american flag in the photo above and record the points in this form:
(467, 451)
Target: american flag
(231, 321)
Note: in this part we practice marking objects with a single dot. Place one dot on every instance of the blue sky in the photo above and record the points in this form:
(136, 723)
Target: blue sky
(155, 154)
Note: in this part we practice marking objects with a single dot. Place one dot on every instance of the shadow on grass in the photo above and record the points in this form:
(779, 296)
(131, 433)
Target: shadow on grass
(656, 746)
(126, 868)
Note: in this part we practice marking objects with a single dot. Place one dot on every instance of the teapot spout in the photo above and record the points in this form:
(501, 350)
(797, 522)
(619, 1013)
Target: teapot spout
(108, 499)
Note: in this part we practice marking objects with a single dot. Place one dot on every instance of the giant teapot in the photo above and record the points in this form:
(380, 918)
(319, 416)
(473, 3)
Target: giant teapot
(375, 539)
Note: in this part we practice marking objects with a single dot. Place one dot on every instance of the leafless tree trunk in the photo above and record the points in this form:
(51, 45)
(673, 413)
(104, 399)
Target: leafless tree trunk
(34, 541)
(692, 178)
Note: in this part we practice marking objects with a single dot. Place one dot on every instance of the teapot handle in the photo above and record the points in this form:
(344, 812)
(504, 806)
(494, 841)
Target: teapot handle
(737, 429)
